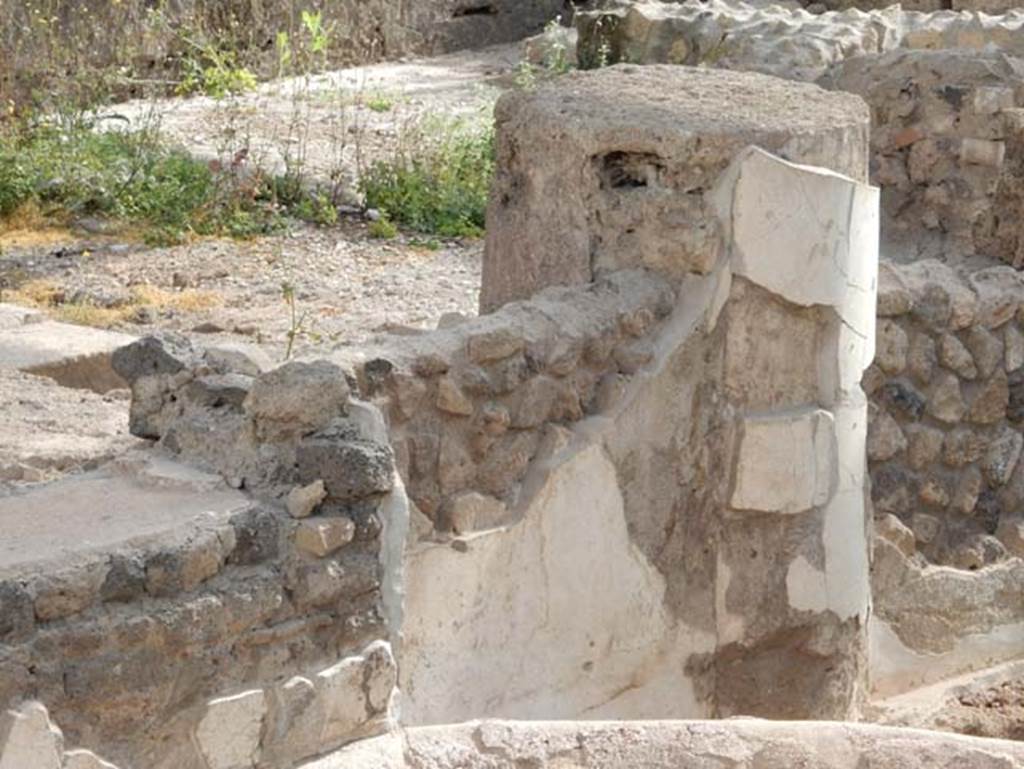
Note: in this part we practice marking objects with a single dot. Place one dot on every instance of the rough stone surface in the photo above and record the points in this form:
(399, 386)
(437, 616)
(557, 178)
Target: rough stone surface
(652, 140)
(73, 356)
(745, 744)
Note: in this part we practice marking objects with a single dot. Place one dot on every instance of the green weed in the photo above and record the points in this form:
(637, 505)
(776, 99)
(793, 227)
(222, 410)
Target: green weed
(438, 181)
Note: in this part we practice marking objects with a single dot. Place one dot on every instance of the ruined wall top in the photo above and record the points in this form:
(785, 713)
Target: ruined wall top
(620, 162)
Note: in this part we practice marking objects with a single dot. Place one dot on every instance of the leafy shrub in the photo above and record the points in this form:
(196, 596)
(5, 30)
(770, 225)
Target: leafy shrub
(383, 228)
(439, 182)
(68, 170)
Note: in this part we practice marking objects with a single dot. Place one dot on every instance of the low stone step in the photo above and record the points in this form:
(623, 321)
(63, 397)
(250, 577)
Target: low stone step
(73, 356)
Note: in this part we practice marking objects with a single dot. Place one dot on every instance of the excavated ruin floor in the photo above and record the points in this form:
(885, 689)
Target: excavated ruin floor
(348, 287)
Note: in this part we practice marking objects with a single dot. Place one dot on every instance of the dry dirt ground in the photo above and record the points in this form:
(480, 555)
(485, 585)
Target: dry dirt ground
(347, 285)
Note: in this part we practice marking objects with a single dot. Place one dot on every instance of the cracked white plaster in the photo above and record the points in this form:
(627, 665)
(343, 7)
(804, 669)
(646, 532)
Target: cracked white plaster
(807, 234)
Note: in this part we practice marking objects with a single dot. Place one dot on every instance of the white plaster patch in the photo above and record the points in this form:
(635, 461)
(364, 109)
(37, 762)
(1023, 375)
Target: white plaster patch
(556, 616)
(896, 668)
(847, 571)
(807, 234)
(805, 586)
(786, 462)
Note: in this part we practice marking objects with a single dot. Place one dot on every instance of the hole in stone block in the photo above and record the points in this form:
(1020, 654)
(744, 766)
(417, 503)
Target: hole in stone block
(626, 170)
(484, 9)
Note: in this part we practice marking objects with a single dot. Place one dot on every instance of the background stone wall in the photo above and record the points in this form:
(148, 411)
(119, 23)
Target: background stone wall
(946, 395)
(946, 144)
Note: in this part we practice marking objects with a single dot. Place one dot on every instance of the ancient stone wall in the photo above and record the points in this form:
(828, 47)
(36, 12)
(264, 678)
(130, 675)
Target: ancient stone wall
(947, 149)
(944, 446)
(787, 42)
(722, 557)
(258, 626)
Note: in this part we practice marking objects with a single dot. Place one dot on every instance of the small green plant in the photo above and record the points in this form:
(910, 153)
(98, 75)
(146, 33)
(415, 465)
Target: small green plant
(438, 183)
(296, 321)
(380, 103)
(429, 244)
(382, 229)
(526, 76)
(213, 71)
(318, 209)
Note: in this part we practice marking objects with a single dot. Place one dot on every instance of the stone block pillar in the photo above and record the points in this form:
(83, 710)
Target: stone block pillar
(761, 534)
(792, 583)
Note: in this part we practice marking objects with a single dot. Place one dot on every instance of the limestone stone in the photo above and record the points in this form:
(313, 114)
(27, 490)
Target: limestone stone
(238, 358)
(1000, 293)
(471, 510)
(1013, 340)
(925, 527)
(941, 298)
(493, 345)
(64, 592)
(1011, 534)
(963, 446)
(933, 492)
(945, 400)
(892, 529)
(322, 535)
(303, 500)
(891, 489)
(1002, 456)
(986, 349)
(28, 739)
(451, 399)
(925, 445)
(885, 438)
(894, 298)
(891, 347)
(785, 463)
(228, 735)
(873, 379)
(956, 357)
(298, 397)
(341, 689)
(922, 357)
(990, 403)
(965, 497)
(536, 402)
